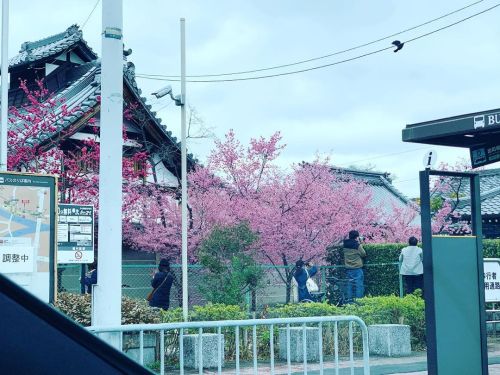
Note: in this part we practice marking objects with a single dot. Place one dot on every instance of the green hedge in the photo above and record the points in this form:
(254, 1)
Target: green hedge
(373, 310)
(381, 277)
(491, 248)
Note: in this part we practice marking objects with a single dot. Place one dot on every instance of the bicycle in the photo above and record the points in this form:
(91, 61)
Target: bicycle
(339, 290)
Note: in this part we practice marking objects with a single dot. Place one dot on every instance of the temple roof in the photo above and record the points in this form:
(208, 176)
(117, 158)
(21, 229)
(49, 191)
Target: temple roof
(83, 90)
(53, 46)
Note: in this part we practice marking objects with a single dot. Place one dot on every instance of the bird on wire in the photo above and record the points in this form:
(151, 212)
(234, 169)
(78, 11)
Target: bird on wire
(398, 45)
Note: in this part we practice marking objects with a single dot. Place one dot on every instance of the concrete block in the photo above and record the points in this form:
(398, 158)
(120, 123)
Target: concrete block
(209, 352)
(296, 344)
(391, 340)
(131, 347)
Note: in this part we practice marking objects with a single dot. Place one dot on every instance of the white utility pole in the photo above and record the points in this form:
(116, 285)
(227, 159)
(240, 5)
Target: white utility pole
(106, 307)
(5, 85)
(184, 223)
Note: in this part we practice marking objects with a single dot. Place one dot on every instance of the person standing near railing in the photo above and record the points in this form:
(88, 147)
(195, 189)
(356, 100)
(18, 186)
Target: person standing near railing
(304, 271)
(161, 283)
(353, 261)
(411, 266)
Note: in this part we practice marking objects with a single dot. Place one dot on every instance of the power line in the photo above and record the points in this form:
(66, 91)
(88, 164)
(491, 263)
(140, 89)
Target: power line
(384, 156)
(320, 57)
(91, 12)
(270, 75)
(144, 76)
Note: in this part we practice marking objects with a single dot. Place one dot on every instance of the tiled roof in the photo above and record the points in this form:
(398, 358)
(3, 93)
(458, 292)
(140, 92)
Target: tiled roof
(53, 45)
(82, 94)
(489, 186)
(384, 194)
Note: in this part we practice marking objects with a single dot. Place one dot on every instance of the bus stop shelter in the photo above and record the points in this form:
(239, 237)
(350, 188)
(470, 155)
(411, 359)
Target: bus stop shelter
(479, 132)
(455, 308)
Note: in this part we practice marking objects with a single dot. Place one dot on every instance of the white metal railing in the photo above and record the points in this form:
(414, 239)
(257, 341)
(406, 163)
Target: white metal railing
(322, 322)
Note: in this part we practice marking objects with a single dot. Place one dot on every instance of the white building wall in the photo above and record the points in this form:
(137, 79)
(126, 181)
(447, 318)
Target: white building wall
(164, 176)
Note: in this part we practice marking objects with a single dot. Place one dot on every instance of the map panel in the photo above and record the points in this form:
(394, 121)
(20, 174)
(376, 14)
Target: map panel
(26, 231)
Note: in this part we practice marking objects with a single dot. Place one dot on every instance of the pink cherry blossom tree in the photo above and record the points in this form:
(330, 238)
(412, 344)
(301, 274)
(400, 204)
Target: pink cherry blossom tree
(297, 214)
(446, 195)
(35, 140)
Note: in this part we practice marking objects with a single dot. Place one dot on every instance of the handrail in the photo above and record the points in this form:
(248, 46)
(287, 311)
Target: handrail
(228, 323)
(200, 326)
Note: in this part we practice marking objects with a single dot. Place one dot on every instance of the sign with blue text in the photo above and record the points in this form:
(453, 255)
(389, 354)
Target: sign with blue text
(75, 234)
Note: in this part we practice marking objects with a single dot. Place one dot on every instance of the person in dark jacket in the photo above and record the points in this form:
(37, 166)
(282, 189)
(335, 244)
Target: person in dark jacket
(162, 283)
(301, 276)
(353, 261)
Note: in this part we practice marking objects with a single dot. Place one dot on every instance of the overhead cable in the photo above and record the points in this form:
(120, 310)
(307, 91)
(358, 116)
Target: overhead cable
(319, 57)
(158, 78)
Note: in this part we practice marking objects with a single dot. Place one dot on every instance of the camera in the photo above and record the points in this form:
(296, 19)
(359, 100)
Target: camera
(361, 238)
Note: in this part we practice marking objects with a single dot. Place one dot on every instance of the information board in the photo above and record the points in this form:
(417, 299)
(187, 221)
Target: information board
(75, 234)
(484, 154)
(27, 226)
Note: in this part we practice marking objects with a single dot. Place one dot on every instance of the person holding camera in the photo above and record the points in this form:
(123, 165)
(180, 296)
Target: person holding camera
(353, 262)
(304, 271)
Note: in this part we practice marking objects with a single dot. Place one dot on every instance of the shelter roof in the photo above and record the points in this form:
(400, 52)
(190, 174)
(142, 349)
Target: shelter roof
(469, 130)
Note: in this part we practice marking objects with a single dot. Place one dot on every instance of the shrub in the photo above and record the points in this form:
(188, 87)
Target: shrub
(491, 248)
(302, 310)
(373, 310)
(77, 307)
(217, 311)
(393, 310)
(228, 256)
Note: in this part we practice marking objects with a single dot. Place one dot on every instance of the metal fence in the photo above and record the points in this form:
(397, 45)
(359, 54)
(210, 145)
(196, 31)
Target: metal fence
(136, 280)
(317, 339)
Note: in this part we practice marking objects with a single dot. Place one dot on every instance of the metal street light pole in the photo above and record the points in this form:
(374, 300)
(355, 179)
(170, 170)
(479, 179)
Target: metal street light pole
(184, 175)
(5, 85)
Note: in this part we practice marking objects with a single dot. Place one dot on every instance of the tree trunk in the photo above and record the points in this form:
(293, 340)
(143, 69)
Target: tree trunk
(289, 276)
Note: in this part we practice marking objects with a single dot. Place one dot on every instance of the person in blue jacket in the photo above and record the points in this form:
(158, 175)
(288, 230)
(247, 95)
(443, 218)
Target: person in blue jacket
(162, 283)
(301, 276)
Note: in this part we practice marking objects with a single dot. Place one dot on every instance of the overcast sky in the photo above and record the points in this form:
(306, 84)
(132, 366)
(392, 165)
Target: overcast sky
(353, 112)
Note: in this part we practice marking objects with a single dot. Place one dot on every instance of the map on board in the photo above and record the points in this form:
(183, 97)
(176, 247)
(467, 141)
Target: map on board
(26, 238)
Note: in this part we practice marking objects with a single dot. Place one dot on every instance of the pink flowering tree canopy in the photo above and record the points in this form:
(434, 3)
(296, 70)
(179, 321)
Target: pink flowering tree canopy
(35, 140)
(296, 214)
